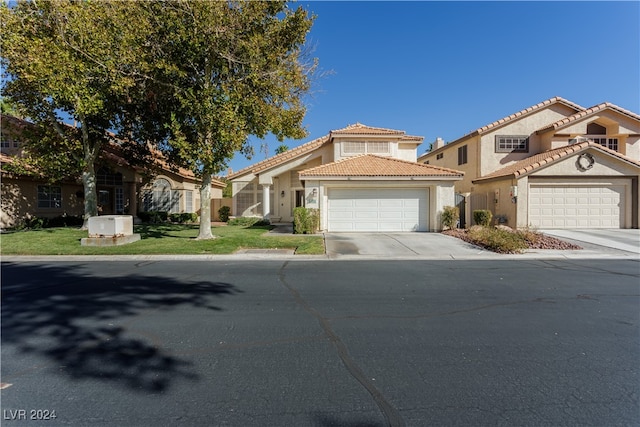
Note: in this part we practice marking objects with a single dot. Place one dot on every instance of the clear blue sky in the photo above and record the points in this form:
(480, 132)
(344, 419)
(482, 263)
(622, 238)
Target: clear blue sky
(446, 68)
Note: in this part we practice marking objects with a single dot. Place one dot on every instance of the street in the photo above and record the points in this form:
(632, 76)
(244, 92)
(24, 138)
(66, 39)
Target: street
(321, 343)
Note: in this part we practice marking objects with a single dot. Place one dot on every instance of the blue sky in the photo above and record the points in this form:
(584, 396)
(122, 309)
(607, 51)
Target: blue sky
(442, 69)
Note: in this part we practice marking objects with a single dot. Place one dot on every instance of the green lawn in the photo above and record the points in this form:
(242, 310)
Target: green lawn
(158, 239)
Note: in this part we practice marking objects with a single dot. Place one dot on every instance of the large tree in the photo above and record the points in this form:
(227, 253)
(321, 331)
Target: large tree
(72, 61)
(226, 71)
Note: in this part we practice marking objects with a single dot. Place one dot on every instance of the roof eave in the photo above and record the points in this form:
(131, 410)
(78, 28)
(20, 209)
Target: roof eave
(379, 178)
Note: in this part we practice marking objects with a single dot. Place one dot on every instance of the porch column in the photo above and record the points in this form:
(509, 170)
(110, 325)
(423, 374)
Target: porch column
(266, 202)
(133, 199)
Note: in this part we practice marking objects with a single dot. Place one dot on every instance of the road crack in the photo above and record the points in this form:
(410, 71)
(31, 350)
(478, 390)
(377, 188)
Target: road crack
(390, 413)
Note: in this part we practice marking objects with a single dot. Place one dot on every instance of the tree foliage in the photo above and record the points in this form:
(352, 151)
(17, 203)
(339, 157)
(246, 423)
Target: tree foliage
(68, 60)
(228, 70)
(197, 78)
(282, 148)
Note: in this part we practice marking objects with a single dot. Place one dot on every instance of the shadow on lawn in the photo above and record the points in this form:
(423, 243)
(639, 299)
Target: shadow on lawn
(157, 231)
(72, 320)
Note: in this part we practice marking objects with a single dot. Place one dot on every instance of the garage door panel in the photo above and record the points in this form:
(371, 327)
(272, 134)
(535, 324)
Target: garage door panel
(388, 209)
(585, 206)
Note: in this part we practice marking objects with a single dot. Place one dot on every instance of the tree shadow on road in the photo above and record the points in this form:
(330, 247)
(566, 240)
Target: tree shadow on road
(74, 320)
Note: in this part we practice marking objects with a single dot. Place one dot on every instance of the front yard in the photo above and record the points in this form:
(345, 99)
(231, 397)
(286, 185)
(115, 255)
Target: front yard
(158, 239)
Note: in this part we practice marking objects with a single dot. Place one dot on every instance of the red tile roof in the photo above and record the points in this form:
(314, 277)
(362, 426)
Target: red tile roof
(282, 157)
(355, 129)
(505, 120)
(360, 129)
(586, 113)
(369, 165)
(545, 158)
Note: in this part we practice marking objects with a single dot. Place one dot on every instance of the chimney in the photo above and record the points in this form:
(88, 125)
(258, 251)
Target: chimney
(438, 143)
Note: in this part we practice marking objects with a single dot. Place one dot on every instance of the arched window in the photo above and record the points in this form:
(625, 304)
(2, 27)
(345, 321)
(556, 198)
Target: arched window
(161, 197)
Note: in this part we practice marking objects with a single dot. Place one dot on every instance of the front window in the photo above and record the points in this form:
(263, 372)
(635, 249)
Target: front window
(512, 144)
(162, 198)
(462, 155)
(49, 196)
(351, 148)
(610, 143)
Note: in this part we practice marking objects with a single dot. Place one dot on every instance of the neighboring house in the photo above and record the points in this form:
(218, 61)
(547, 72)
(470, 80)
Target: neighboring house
(122, 188)
(361, 178)
(552, 165)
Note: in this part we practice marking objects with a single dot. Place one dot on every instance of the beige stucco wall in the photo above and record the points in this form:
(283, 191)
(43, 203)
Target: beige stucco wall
(607, 170)
(19, 200)
(404, 151)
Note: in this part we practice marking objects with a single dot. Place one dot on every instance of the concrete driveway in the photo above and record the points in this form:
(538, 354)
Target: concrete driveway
(400, 245)
(627, 240)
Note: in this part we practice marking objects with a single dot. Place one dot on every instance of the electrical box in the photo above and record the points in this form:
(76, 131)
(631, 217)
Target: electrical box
(514, 191)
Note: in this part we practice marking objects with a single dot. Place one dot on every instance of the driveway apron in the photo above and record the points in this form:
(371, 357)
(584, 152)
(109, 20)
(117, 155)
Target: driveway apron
(398, 245)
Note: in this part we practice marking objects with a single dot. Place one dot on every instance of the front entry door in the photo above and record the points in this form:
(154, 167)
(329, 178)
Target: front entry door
(299, 198)
(105, 201)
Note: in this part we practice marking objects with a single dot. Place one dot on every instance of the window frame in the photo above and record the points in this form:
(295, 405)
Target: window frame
(463, 155)
(365, 147)
(513, 149)
(50, 201)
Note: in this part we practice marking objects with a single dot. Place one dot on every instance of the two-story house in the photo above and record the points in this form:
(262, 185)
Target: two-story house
(553, 165)
(361, 178)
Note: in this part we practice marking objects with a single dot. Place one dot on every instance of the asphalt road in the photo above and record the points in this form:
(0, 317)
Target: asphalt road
(321, 343)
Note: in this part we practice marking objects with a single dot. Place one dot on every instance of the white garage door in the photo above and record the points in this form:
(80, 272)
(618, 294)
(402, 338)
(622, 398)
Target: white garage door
(388, 209)
(576, 206)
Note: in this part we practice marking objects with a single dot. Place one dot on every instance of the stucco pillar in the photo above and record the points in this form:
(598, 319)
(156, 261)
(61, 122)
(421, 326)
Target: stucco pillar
(266, 202)
(133, 199)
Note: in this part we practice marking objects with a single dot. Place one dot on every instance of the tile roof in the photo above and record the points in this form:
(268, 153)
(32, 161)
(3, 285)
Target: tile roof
(514, 116)
(586, 113)
(282, 157)
(360, 129)
(537, 161)
(354, 129)
(369, 165)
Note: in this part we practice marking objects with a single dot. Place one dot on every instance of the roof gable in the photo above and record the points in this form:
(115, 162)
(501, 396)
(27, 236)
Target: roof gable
(370, 165)
(538, 161)
(586, 113)
(354, 130)
(509, 119)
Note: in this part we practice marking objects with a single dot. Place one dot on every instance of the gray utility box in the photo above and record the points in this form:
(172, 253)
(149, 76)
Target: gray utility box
(110, 230)
(110, 225)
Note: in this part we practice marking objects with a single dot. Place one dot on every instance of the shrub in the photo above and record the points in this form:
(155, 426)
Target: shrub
(223, 213)
(153, 217)
(33, 223)
(498, 239)
(305, 220)
(450, 216)
(182, 218)
(482, 217)
(64, 221)
(248, 221)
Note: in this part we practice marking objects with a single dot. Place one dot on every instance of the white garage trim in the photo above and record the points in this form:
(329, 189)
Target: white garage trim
(377, 209)
(577, 206)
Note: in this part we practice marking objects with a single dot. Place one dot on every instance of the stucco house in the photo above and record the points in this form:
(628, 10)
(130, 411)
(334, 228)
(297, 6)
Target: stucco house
(550, 166)
(361, 178)
(122, 188)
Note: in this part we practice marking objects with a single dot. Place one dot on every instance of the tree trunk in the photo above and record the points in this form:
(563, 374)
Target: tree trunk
(205, 208)
(90, 194)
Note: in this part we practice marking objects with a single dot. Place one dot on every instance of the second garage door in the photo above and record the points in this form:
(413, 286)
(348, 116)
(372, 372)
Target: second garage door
(388, 209)
(597, 206)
